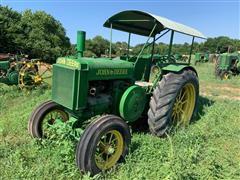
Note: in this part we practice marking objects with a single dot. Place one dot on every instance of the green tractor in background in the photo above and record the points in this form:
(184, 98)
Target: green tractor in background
(180, 57)
(121, 91)
(201, 57)
(26, 74)
(227, 65)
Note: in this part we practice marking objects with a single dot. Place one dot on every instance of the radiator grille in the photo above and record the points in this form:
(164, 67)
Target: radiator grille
(63, 86)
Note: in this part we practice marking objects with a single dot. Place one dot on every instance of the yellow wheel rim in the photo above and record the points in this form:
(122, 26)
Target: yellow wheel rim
(51, 117)
(184, 105)
(109, 149)
(33, 74)
(226, 76)
(26, 75)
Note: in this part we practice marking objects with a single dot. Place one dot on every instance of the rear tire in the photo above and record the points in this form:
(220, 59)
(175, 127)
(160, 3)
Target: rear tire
(104, 143)
(175, 93)
(40, 116)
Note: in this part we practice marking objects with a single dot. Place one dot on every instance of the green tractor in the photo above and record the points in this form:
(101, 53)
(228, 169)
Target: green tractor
(181, 58)
(27, 74)
(201, 58)
(227, 65)
(120, 91)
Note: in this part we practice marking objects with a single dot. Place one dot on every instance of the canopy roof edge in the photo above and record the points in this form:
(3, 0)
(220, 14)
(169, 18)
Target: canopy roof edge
(141, 23)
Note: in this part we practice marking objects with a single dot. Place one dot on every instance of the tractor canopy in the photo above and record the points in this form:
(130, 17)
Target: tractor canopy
(141, 23)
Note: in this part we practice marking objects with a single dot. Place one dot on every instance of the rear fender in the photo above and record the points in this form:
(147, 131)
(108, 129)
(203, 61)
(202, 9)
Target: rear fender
(177, 68)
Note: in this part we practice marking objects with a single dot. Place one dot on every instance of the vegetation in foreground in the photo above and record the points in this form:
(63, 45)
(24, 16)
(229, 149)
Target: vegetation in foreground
(209, 148)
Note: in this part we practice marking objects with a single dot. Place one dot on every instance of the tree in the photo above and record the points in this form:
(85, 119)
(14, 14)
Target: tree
(37, 34)
(220, 44)
(98, 45)
(9, 30)
(121, 48)
(44, 36)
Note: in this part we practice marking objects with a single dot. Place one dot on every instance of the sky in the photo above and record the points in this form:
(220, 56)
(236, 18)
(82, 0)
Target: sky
(211, 17)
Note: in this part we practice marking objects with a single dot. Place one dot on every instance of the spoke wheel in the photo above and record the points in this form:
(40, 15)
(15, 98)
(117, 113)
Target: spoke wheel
(109, 149)
(184, 105)
(50, 118)
(43, 117)
(34, 74)
(173, 102)
(104, 143)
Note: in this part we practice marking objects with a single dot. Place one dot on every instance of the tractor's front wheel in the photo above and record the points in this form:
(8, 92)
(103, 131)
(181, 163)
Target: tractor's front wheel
(173, 102)
(104, 143)
(43, 117)
(225, 75)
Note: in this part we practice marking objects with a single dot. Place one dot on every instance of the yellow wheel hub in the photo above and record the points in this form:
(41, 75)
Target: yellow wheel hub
(184, 105)
(37, 79)
(226, 76)
(109, 149)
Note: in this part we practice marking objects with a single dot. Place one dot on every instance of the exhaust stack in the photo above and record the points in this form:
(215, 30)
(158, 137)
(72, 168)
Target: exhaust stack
(81, 37)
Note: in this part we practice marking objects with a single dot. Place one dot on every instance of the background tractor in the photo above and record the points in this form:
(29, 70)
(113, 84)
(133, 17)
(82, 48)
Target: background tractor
(201, 58)
(227, 65)
(18, 70)
(119, 91)
(180, 57)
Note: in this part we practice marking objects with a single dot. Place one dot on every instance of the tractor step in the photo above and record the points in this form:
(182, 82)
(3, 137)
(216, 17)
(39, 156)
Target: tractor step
(144, 83)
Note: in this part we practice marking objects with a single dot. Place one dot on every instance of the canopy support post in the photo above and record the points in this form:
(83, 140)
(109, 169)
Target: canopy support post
(170, 44)
(146, 73)
(190, 55)
(157, 38)
(150, 35)
(149, 63)
(110, 47)
(162, 35)
(153, 47)
(129, 39)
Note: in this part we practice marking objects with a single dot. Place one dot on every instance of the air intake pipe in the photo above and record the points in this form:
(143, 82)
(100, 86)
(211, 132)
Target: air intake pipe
(81, 37)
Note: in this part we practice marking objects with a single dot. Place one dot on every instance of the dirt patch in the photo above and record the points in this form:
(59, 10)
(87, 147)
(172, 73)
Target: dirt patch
(234, 89)
(220, 91)
(221, 96)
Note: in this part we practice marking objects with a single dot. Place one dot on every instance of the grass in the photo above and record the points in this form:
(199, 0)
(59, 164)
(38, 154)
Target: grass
(208, 149)
(217, 88)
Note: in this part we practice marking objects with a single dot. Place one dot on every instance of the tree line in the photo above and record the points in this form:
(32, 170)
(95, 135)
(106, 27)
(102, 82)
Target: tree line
(40, 35)
(99, 46)
(37, 34)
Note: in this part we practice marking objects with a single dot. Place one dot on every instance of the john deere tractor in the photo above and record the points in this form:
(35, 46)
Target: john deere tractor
(120, 91)
(227, 65)
(201, 58)
(180, 57)
(27, 74)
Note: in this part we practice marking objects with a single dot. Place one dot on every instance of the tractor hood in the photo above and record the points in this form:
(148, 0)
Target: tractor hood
(99, 68)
